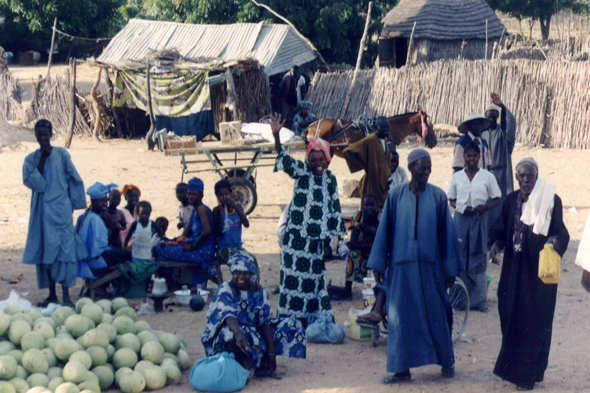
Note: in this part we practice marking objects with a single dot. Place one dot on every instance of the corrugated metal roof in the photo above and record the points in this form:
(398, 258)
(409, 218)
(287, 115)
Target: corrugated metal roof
(276, 47)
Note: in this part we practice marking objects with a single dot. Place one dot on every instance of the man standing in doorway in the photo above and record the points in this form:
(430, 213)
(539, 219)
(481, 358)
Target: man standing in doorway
(291, 86)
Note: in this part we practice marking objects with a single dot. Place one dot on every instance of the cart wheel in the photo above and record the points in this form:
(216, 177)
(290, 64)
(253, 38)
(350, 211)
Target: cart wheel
(240, 173)
(459, 297)
(244, 192)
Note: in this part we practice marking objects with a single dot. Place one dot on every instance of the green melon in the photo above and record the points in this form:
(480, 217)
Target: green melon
(21, 373)
(184, 360)
(34, 314)
(51, 343)
(67, 387)
(171, 356)
(154, 352)
(74, 372)
(96, 337)
(76, 325)
(11, 309)
(6, 387)
(140, 326)
(173, 373)
(5, 321)
(121, 372)
(105, 376)
(82, 357)
(65, 348)
(105, 304)
(111, 351)
(54, 383)
(8, 367)
(170, 343)
(93, 312)
(147, 336)
(124, 325)
(34, 362)
(132, 383)
(17, 330)
(44, 329)
(107, 318)
(118, 303)
(89, 386)
(142, 365)
(81, 303)
(55, 372)
(109, 330)
(124, 357)
(20, 385)
(5, 347)
(128, 312)
(98, 355)
(32, 340)
(60, 315)
(155, 378)
(38, 379)
(50, 356)
(128, 340)
(17, 355)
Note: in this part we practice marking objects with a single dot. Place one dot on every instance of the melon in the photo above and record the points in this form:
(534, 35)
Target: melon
(76, 325)
(197, 303)
(5, 321)
(11, 309)
(109, 330)
(184, 360)
(170, 361)
(118, 303)
(95, 337)
(132, 383)
(34, 314)
(74, 372)
(17, 330)
(8, 367)
(170, 343)
(107, 318)
(128, 340)
(152, 351)
(22, 317)
(90, 323)
(34, 362)
(21, 373)
(44, 329)
(124, 325)
(38, 379)
(67, 387)
(105, 376)
(122, 372)
(91, 377)
(147, 336)
(140, 326)
(19, 385)
(65, 348)
(98, 355)
(17, 355)
(55, 372)
(46, 319)
(51, 343)
(172, 357)
(81, 303)
(50, 356)
(82, 357)
(173, 373)
(105, 304)
(5, 347)
(38, 389)
(6, 387)
(110, 351)
(128, 312)
(89, 386)
(54, 383)
(142, 365)
(155, 378)
(182, 340)
(61, 333)
(124, 357)
(32, 340)
(60, 315)
(93, 312)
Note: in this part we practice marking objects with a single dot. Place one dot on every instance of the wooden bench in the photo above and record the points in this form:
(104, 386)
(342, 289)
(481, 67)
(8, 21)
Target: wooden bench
(115, 272)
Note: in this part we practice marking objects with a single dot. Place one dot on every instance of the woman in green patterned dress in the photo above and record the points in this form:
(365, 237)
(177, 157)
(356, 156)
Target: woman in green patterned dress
(314, 216)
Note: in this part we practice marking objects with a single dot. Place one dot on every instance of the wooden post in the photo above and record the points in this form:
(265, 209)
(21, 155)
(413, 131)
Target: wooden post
(72, 103)
(359, 59)
(410, 44)
(94, 96)
(232, 100)
(486, 57)
(112, 97)
(150, 133)
(51, 48)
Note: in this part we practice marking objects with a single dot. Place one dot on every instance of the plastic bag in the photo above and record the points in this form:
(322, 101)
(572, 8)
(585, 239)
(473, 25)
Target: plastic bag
(16, 300)
(323, 330)
(549, 265)
(219, 373)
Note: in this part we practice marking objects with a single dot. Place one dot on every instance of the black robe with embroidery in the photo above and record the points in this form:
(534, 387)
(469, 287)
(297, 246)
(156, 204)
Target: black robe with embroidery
(525, 303)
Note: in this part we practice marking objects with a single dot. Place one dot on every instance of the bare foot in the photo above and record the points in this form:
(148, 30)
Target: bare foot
(374, 317)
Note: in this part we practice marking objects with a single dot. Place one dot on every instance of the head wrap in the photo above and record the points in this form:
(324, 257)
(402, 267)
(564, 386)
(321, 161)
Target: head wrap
(305, 104)
(464, 127)
(319, 145)
(196, 184)
(241, 263)
(99, 190)
(129, 187)
(528, 160)
(492, 107)
(417, 154)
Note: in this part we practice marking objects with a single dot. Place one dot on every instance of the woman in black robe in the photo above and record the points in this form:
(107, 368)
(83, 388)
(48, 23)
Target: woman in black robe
(526, 304)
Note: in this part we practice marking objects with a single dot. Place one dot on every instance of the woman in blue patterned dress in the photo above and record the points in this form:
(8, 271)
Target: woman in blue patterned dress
(238, 321)
(314, 216)
(199, 247)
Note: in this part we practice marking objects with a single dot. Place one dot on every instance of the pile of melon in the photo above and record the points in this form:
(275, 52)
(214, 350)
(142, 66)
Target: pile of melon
(90, 349)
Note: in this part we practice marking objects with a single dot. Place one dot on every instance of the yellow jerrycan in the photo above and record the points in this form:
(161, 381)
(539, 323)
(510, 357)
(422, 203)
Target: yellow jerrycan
(549, 265)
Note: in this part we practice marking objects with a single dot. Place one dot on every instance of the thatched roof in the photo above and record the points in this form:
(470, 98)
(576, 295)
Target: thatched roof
(442, 20)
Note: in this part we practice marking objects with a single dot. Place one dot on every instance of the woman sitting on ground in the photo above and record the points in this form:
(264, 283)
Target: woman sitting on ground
(199, 246)
(239, 321)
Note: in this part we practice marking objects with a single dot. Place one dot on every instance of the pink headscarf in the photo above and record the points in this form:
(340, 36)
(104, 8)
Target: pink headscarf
(319, 145)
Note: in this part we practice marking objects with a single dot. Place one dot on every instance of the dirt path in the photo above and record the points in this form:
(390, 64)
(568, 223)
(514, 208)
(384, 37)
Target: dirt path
(353, 366)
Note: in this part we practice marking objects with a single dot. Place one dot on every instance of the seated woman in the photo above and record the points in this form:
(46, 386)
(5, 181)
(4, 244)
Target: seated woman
(131, 194)
(229, 217)
(199, 247)
(239, 321)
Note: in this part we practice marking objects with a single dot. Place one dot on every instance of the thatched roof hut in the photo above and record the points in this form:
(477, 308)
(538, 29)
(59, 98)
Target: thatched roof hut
(445, 29)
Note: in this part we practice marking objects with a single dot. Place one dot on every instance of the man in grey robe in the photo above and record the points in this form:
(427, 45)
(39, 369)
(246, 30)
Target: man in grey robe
(500, 138)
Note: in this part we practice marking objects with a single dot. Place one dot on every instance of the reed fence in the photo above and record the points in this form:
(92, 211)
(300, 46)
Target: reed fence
(11, 108)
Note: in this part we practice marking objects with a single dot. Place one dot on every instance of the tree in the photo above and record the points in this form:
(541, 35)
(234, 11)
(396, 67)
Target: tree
(541, 10)
(334, 27)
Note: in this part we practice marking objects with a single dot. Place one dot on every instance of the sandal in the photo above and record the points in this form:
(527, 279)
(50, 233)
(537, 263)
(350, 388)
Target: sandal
(481, 308)
(46, 302)
(341, 297)
(396, 378)
(448, 372)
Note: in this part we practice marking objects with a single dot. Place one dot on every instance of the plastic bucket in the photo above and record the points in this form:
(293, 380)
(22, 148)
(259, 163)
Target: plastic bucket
(355, 331)
(369, 282)
(368, 298)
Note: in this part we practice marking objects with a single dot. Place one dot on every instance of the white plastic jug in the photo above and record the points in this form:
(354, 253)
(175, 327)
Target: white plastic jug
(159, 287)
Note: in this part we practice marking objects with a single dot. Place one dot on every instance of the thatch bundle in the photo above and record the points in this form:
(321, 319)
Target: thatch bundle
(51, 101)
(549, 99)
(11, 108)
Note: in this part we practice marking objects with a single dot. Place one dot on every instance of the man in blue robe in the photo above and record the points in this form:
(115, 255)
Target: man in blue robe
(58, 190)
(417, 245)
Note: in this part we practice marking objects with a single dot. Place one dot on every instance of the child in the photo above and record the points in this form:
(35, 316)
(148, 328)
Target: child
(114, 219)
(364, 227)
(185, 211)
(398, 174)
(144, 234)
(161, 228)
(228, 219)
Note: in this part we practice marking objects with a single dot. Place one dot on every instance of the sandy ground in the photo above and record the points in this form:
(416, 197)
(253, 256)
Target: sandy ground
(354, 366)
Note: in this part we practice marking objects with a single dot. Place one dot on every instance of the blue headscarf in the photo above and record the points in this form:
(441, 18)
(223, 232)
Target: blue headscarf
(241, 263)
(99, 190)
(195, 184)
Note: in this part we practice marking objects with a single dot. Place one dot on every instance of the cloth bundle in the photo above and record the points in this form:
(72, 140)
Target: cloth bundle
(219, 373)
(539, 207)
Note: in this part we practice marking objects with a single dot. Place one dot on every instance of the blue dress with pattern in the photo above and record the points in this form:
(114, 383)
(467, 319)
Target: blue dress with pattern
(252, 311)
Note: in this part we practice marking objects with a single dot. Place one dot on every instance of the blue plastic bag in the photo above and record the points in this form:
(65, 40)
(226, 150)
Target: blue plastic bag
(323, 330)
(219, 373)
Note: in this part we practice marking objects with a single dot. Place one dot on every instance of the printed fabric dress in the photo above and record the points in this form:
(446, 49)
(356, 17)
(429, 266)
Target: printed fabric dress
(357, 258)
(314, 216)
(252, 311)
